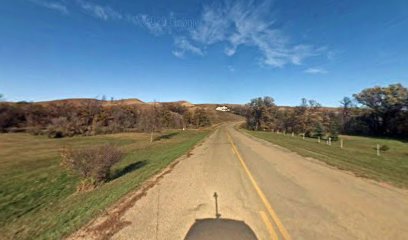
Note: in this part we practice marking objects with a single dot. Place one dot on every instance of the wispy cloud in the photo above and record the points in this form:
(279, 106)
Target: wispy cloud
(183, 45)
(316, 71)
(246, 24)
(98, 11)
(156, 26)
(233, 24)
(57, 6)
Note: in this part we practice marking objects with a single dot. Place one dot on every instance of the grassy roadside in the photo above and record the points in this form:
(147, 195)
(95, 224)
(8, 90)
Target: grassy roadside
(358, 155)
(38, 200)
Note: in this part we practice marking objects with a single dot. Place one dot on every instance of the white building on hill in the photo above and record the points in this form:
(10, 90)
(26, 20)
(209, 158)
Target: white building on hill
(222, 109)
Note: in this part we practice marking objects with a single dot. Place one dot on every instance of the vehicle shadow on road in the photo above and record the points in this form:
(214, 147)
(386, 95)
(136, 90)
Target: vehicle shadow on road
(220, 229)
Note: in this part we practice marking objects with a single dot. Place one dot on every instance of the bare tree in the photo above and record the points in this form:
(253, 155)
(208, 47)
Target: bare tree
(152, 120)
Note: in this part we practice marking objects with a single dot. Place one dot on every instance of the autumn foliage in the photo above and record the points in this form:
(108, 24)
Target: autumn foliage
(377, 111)
(91, 118)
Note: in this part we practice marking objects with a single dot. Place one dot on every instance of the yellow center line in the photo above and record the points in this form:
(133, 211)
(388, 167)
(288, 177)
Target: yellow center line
(269, 226)
(261, 195)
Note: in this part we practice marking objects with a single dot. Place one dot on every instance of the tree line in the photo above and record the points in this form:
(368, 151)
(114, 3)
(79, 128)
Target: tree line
(91, 117)
(377, 111)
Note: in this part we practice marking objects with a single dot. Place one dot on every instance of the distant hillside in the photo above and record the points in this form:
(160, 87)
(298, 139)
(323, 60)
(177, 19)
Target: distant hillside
(132, 101)
(73, 101)
(215, 116)
(128, 101)
(182, 103)
(80, 101)
(185, 103)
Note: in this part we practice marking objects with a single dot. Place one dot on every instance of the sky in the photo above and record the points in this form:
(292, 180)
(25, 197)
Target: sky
(201, 51)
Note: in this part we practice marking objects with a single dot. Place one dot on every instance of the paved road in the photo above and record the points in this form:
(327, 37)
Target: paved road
(262, 192)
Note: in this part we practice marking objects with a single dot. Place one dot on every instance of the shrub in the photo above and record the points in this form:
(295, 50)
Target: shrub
(58, 128)
(92, 165)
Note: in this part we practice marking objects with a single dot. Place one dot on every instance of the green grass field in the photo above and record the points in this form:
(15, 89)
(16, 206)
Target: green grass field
(38, 199)
(358, 155)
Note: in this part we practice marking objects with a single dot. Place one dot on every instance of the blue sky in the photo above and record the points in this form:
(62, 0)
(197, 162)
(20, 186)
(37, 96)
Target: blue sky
(201, 51)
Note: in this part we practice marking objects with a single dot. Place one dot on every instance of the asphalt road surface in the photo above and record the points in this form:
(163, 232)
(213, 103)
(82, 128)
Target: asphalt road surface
(237, 187)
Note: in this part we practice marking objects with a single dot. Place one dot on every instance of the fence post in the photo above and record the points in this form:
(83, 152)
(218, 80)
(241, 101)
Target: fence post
(303, 136)
(378, 149)
(293, 134)
(330, 141)
(341, 143)
(318, 139)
